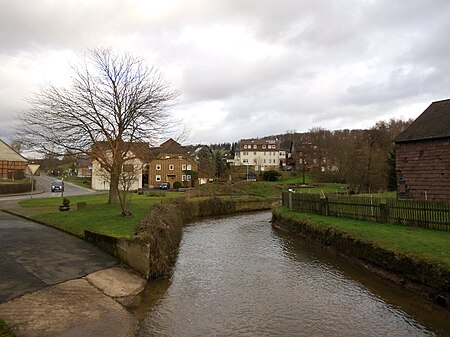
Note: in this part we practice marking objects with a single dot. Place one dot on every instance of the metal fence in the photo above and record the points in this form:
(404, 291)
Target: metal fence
(427, 214)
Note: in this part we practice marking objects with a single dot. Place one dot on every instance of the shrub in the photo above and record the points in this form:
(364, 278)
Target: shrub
(271, 175)
(177, 185)
(66, 202)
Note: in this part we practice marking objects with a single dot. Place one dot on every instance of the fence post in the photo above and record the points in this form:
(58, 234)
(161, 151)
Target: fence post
(384, 211)
(324, 207)
(290, 201)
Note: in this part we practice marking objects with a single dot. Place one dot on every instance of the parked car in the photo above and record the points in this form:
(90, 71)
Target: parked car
(57, 186)
(164, 186)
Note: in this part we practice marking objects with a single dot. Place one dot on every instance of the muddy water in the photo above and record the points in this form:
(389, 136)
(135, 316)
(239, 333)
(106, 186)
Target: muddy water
(239, 277)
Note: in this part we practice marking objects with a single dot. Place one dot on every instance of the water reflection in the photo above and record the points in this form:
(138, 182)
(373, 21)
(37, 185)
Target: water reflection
(238, 277)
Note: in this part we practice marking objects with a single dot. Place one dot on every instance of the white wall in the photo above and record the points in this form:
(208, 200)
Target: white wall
(101, 179)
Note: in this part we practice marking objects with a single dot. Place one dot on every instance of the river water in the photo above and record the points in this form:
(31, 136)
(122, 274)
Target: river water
(237, 276)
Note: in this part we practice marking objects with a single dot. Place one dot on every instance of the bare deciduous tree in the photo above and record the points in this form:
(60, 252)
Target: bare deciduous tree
(113, 99)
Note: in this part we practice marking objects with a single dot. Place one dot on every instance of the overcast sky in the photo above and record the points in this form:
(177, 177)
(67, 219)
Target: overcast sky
(245, 68)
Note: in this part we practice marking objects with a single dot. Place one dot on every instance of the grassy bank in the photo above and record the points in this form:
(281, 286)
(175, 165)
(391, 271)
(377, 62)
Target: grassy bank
(98, 216)
(102, 218)
(428, 245)
(266, 189)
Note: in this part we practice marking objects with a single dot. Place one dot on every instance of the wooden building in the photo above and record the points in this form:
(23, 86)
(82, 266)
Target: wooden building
(423, 155)
(12, 164)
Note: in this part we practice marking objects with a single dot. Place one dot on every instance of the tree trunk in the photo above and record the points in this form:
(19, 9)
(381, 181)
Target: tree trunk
(113, 188)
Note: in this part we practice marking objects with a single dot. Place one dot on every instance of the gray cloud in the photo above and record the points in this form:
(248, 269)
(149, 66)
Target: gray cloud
(262, 66)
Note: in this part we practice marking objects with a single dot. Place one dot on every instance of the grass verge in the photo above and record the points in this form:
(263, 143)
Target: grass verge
(79, 181)
(428, 245)
(98, 216)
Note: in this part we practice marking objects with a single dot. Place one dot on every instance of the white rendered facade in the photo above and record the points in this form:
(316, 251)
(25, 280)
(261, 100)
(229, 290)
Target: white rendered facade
(262, 154)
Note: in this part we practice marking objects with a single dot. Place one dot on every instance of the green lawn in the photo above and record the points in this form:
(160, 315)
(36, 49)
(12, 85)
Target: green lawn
(422, 243)
(98, 216)
(83, 182)
(385, 195)
(268, 189)
(295, 178)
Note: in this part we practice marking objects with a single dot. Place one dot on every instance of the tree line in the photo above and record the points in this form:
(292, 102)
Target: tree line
(364, 159)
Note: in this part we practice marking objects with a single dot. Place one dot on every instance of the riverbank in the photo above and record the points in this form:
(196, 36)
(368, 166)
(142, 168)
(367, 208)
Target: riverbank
(153, 250)
(156, 244)
(415, 258)
(147, 241)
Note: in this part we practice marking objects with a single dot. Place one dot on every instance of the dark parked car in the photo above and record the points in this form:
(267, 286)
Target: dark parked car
(57, 186)
(164, 186)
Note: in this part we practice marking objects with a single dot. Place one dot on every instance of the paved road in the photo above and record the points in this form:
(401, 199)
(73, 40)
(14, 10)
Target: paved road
(34, 256)
(43, 190)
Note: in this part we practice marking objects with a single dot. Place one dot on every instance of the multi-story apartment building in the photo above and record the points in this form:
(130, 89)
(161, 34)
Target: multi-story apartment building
(262, 154)
(171, 169)
(170, 163)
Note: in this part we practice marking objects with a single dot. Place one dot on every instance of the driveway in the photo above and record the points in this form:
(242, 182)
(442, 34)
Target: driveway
(33, 256)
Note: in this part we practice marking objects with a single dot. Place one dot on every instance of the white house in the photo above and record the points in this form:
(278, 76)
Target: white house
(263, 154)
(132, 170)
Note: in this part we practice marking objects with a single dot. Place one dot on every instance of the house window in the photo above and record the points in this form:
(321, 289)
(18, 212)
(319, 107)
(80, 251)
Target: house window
(171, 167)
(158, 177)
(127, 168)
(254, 153)
(188, 177)
(263, 146)
(264, 161)
(183, 167)
(167, 157)
(245, 146)
(189, 167)
(254, 146)
(158, 167)
(245, 160)
(183, 177)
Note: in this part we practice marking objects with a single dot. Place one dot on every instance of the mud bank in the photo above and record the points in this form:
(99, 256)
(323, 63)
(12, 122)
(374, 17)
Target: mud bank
(423, 277)
(152, 252)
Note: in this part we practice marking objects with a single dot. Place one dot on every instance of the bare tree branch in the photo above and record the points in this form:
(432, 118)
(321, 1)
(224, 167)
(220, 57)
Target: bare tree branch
(113, 99)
